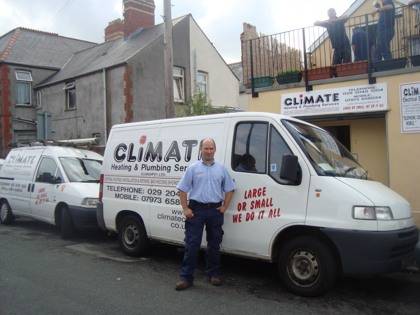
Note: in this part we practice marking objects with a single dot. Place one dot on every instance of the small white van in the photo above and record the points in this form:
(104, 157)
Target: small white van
(301, 200)
(57, 185)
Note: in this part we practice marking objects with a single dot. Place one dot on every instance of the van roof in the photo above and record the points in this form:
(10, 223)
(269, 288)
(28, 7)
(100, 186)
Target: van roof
(64, 152)
(207, 118)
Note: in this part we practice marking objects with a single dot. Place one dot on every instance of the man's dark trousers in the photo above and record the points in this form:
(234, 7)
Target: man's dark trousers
(383, 44)
(213, 220)
(342, 55)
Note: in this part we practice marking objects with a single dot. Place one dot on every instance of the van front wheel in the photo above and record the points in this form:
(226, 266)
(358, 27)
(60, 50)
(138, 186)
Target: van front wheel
(132, 236)
(66, 224)
(307, 266)
(6, 215)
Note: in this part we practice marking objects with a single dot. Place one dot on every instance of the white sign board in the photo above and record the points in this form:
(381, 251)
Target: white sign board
(410, 107)
(352, 99)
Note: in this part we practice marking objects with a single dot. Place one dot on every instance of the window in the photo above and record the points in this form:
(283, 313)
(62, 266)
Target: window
(46, 171)
(278, 149)
(250, 148)
(178, 76)
(70, 95)
(38, 99)
(23, 88)
(81, 170)
(202, 83)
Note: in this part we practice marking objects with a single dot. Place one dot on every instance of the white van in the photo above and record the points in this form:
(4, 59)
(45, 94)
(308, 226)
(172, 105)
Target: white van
(301, 201)
(58, 185)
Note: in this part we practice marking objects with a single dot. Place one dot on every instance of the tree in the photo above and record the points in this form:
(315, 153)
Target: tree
(199, 105)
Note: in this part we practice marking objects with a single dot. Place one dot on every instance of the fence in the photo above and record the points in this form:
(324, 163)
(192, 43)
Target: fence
(298, 53)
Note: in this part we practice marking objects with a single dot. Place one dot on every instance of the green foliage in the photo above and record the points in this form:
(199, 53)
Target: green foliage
(199, 105)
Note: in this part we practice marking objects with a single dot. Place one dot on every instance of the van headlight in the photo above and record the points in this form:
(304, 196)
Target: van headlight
(372, 213)
(90, 202)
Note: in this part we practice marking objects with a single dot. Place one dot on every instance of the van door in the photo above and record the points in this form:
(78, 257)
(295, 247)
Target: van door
(43, 197)
(263, 203)
(17, 174)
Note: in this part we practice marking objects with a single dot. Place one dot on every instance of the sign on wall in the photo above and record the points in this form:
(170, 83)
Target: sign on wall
(410, 107)
(352, 99)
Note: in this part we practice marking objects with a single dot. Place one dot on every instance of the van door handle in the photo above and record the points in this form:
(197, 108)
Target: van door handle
(33, 187)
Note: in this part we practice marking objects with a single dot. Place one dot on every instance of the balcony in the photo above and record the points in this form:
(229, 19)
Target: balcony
(305, 56)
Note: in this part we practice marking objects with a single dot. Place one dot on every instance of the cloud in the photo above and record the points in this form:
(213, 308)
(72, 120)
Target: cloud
(221, 20)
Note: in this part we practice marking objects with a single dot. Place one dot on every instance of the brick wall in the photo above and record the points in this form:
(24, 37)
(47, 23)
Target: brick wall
(5, 110)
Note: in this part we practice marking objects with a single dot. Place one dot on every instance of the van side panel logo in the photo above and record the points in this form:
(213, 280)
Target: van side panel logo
(154, 152)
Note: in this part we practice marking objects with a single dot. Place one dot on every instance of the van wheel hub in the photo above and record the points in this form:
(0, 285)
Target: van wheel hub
(4, 212)
(131, 235)
(303, 268)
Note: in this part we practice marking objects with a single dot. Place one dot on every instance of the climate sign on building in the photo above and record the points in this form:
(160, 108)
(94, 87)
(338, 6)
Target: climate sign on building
(352, 99)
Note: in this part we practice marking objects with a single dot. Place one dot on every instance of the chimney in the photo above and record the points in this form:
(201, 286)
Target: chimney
(137, 14)
(114, 30)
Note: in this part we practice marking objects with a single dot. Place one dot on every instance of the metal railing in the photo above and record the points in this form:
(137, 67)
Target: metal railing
(309, 49)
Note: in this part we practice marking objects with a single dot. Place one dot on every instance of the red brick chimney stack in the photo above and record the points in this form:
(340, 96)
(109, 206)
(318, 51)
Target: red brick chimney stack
(137, 14)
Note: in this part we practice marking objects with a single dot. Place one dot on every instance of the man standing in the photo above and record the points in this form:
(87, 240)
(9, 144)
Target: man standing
(359, 44)
(210, 191)
(385, 30)
(338, 37)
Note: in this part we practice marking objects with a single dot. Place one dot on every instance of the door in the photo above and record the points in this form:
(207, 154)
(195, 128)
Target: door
(263, 203)
(44, 190)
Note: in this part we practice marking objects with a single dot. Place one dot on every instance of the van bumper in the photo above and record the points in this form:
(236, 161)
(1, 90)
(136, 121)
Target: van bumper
(83, 218)
(100, 216)
(369, 252)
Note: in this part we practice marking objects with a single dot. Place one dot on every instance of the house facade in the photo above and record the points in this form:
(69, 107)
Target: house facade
(371, 106)
(27, 57)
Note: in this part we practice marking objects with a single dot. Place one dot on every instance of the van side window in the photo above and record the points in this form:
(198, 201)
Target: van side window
(46, 170)
(278, 148)
(250, 147)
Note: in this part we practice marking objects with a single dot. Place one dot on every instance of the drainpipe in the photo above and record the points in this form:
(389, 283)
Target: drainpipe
(46, 125)
(105, 105)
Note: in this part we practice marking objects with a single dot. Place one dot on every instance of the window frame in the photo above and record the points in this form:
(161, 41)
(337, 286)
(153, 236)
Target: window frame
(206, 76)
(21, 81)
(70, 88)
(175, 77)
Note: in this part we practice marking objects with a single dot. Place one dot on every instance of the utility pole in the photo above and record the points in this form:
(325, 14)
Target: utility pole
(168, 61)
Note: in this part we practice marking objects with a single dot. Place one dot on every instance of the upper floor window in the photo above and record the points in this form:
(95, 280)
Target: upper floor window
(202, 83)
(23, 88)
(179, 82)
(70, 95)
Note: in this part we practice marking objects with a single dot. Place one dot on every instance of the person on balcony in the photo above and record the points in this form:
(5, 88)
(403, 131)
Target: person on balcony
(338, 37)
(359, 43)
(385, 29)
(416, 5)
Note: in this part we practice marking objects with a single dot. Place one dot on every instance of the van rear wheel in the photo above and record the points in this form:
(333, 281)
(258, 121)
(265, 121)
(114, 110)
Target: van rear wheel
(132, 236)
(66, 223)
(307, 266)
(6, 215)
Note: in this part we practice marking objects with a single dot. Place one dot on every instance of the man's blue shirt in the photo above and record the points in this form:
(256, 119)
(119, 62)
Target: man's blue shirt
(206, 183)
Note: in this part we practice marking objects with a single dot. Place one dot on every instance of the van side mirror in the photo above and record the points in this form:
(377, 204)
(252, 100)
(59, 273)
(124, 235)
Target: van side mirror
(289, 168)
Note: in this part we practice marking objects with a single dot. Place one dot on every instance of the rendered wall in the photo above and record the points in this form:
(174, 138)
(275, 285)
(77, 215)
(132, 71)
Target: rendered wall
(223, 86)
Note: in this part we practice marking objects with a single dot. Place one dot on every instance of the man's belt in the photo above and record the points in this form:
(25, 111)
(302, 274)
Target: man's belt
(201, 205)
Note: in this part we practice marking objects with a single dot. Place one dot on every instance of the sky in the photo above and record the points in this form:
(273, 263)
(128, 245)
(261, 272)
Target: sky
(221, 20)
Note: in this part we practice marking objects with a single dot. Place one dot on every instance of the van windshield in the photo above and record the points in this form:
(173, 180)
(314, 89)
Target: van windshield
(81, 170)
(328, 156)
